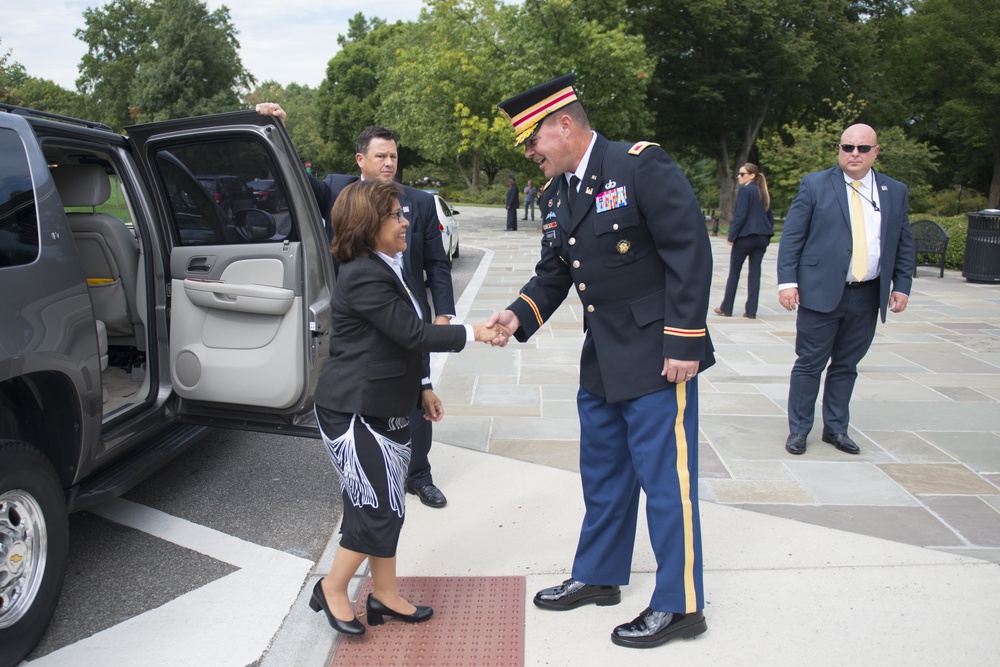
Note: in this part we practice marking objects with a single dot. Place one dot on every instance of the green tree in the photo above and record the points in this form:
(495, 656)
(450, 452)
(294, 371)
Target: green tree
(16, 87)
(193, 66)
(12, 76)
(464, 56)
(161, 59)
(117, 36)
(951, 63)
(726, 67)
(347, 101)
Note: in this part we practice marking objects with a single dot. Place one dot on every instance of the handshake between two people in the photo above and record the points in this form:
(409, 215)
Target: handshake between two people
(497, 328)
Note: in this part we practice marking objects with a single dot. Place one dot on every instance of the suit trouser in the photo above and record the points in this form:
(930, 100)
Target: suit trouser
(512, 219)
(648, 443)
(419, 472)
(841, 337)
(753, 246)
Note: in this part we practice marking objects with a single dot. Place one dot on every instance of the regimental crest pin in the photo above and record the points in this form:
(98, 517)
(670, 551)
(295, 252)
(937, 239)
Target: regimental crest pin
(623, 247)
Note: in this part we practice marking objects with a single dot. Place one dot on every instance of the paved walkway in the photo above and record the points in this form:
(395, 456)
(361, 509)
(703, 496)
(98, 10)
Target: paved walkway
(889, 557)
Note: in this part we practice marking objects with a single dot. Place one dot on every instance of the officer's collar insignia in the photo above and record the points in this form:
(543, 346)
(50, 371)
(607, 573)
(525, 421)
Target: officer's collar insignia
(590, 191)
(623, 247)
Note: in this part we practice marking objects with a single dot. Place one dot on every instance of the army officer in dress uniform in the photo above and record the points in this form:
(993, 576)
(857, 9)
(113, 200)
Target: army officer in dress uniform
(622, 225)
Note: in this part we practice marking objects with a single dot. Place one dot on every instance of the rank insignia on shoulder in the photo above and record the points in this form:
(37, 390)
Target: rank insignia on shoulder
(611, 199)
(640, 147)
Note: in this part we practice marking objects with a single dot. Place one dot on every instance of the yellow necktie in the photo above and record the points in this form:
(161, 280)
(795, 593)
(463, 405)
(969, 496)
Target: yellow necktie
(859, 253)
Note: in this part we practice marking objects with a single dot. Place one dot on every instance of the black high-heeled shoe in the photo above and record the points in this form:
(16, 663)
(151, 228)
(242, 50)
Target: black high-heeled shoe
(318, 601)
(376, 610)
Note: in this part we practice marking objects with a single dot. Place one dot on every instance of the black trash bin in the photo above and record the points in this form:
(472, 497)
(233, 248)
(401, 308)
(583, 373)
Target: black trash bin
(982, 247)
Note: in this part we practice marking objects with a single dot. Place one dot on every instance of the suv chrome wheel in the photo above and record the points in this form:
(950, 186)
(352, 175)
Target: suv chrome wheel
(23, 549)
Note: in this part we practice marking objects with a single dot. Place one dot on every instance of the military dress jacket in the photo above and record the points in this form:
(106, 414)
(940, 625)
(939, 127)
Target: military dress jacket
(636, 249)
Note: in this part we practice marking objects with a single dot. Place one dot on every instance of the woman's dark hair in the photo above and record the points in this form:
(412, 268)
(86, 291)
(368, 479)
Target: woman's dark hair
(758, 178)
(357, 216)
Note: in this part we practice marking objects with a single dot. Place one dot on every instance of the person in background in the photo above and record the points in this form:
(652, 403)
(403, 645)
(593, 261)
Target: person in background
(750, 233)
(512, 205)
(846, 253)
(363, 415)
(621, 225)
(530, 192)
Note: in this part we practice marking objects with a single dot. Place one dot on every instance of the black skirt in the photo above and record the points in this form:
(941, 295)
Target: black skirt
(372, 455)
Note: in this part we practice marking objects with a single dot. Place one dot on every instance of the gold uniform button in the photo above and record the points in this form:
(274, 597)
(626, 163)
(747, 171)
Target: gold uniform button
(583, 287)
(576, 264)
(572, 240)
(590, 309)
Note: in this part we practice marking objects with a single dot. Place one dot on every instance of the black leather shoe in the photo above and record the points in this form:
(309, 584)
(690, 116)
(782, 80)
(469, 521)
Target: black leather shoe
(376, 611)
(842, 442)
(796, 443)
(571, 594)
(652, 628)
(318, 601)
(429, 495)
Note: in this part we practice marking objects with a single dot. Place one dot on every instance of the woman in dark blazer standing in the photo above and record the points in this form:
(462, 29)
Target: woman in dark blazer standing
(750, 233)
(369, 386)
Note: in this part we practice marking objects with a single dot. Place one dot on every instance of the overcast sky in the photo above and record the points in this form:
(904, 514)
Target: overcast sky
(283, 40)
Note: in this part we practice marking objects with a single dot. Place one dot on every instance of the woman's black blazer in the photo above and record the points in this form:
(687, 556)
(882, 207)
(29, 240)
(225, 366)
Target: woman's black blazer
(378, 340)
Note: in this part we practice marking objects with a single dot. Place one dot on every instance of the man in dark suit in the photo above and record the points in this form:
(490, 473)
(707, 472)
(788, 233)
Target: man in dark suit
(621, 224)
(846, 253)
(512, 205)
(377, 157)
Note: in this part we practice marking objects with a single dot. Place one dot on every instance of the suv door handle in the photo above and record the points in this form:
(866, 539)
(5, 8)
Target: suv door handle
(199, 265)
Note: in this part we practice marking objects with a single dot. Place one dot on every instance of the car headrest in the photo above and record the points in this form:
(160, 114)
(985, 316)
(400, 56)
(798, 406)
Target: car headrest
(82, 184)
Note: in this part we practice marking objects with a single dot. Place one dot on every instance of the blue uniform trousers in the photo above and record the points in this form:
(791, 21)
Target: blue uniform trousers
(650, 442)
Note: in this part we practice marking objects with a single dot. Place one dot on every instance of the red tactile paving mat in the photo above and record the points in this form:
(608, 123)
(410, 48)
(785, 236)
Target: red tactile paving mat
(477, 621)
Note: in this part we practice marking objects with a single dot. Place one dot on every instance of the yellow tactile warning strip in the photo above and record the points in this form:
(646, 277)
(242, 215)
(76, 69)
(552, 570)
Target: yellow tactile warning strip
(477, 621)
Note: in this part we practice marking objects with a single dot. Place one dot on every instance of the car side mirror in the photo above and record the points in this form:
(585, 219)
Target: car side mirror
(454, 212)
(255, 225)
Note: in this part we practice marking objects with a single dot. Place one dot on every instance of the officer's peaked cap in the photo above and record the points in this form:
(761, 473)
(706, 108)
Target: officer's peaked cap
(527, 110)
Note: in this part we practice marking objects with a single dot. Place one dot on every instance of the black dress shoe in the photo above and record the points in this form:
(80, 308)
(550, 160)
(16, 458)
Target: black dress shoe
(318, 601)
(842, 442)
(796, 443)
(376, 611)
(429, 495)
(652, 628)
(571, 594)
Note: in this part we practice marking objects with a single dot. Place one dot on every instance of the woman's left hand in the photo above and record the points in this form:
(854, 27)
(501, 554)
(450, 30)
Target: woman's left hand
(433, 409)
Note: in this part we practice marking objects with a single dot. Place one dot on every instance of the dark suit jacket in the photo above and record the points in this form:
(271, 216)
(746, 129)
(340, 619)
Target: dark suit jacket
(815, 249)
(749, 216)
(424, 252)
(512, 197)
(378, 343)
(637, 250)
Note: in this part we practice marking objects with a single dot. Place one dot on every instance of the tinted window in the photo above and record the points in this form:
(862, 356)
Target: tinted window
(206, 186)
(18, 219)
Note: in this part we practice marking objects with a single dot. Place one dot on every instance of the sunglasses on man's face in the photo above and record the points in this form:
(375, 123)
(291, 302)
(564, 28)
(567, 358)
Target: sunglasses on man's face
(849, 148)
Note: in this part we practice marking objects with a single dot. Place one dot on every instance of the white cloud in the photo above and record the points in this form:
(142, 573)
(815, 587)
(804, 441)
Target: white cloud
(290, 41)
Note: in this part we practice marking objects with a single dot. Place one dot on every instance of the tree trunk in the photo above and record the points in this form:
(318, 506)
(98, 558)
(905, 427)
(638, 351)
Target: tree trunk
(725, 171)
(476, 158)
(461, 170)
(994, 198)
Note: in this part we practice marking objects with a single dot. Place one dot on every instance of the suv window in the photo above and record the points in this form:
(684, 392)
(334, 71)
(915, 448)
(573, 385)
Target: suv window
(18, 219)
(206, 186)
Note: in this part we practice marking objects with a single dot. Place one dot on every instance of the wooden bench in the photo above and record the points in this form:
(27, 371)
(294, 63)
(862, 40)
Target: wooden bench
(929, 238)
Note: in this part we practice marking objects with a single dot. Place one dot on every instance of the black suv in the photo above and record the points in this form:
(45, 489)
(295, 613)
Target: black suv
(134, 313)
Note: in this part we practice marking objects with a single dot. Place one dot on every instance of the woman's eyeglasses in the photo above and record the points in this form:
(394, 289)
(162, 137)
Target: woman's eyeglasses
(398, 214)
(744, 173)
(849, 148)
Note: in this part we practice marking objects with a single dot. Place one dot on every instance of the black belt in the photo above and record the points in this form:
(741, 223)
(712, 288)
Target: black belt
(863, 283)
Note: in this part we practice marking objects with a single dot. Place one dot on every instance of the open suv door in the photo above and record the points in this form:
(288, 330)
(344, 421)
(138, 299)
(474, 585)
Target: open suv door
(249, 296)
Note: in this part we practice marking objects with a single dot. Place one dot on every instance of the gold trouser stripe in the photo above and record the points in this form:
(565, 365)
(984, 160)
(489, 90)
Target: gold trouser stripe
(684, 478)
(538, 315)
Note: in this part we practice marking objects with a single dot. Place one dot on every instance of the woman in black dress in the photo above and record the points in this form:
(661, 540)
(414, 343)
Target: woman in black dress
(369, 385)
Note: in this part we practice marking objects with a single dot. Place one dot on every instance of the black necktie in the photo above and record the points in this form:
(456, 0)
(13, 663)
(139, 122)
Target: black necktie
(571, 195)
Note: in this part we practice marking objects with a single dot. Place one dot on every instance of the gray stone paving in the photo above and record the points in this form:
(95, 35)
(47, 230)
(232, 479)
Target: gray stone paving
(926, 410)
